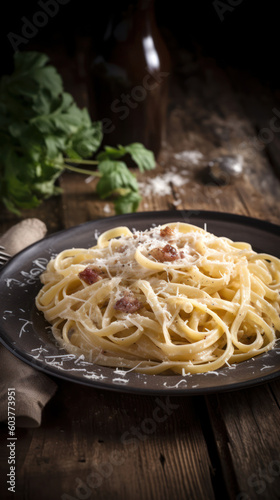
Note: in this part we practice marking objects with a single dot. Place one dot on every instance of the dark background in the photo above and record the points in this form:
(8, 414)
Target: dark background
(247, 38)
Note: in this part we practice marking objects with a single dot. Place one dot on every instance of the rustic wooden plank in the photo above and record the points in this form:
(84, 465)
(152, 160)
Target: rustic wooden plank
(275, 391)
(262, 105)
(207, 117)
(80, 203)
(110, 444)
(246, 427)
(49, 212)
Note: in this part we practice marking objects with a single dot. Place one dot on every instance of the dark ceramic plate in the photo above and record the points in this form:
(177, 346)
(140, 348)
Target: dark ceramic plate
(26, 334)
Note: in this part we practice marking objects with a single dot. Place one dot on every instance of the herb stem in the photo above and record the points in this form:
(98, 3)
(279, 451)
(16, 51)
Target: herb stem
(82, 171)
(83, 162)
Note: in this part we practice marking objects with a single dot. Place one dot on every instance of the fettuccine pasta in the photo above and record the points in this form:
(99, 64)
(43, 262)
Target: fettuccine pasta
(172, 298)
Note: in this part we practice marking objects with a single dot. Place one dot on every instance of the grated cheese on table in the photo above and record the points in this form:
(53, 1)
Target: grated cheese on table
(189, 156)
(161, 185)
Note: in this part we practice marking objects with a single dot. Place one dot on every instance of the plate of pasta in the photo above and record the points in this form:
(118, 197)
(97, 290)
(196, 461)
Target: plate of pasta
(155, 302)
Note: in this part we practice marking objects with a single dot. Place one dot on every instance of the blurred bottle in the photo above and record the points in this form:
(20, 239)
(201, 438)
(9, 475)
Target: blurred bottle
(129, 77)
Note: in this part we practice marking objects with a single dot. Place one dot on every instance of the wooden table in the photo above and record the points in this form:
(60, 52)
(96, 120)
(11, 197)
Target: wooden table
(224, 446)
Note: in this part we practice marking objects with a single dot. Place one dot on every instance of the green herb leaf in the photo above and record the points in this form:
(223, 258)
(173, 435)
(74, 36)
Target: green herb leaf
(143, 157)
(42, 130)
(39, 124)
(88, 137)
(115, 176)
(29, 61)
(128, 203)
(111, 153)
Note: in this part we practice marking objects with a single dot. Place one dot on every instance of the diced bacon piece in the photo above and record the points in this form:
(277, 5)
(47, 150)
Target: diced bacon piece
(128, 303)
(91, 275)
(166, 254)
(122, 248)
(165, 232)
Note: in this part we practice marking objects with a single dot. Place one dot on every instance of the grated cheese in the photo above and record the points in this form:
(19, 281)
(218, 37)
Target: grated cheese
(189, 156)
(161, 185)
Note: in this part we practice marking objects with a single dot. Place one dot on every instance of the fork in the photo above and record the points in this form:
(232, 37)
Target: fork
(4, 256)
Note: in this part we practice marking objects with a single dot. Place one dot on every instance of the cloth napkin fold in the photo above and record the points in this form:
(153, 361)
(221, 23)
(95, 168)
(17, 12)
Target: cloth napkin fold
(33, 389)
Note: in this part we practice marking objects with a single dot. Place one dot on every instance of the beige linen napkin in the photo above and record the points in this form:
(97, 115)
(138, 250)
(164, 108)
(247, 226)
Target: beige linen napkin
(33, 389)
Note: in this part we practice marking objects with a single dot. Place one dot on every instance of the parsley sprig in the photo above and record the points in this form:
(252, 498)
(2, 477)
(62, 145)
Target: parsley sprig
(43, 132)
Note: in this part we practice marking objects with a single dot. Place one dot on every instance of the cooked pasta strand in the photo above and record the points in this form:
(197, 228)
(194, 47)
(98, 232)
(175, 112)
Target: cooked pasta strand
(171, 298)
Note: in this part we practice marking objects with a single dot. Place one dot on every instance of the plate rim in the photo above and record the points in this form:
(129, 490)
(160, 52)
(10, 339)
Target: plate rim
(266, 225)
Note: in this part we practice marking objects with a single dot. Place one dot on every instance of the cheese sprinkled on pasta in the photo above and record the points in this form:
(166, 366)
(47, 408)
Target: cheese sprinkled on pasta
(174, 298)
